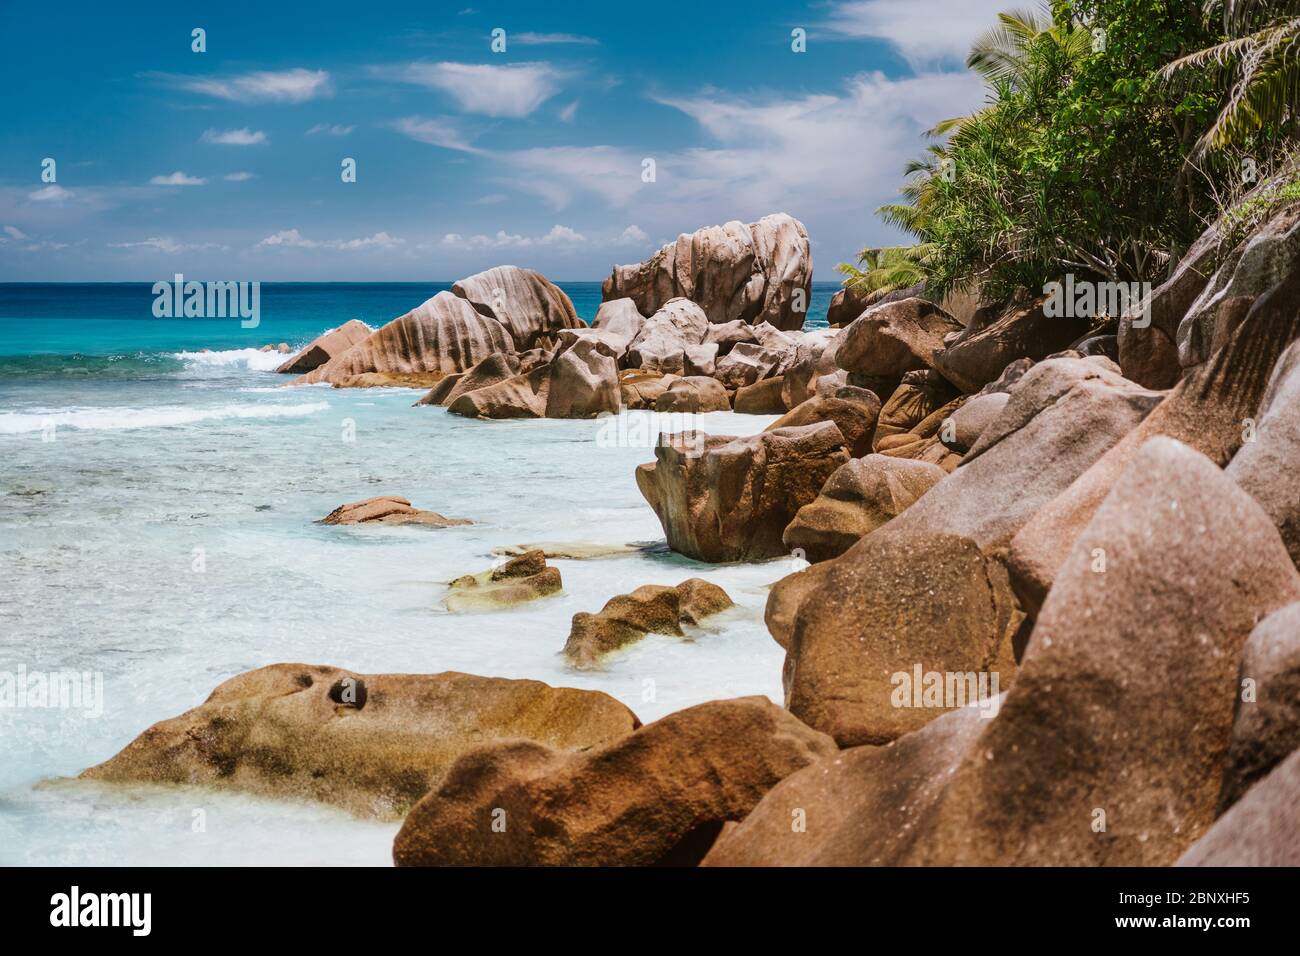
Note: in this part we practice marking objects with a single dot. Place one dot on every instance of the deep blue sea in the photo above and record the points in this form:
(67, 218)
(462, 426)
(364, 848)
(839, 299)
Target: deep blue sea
(158, 509)
(108, 318)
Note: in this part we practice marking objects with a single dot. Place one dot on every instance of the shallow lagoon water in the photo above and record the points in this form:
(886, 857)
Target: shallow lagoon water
(207, 456)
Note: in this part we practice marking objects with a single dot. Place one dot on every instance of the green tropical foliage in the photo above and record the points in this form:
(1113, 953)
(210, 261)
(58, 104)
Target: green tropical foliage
(1076, 163)
(1258, 67)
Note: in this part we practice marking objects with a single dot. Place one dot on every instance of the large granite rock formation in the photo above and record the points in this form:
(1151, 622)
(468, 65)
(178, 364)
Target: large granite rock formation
(760, 272)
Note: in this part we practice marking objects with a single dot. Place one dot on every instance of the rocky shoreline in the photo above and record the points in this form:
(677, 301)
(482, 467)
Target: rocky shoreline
(1044, 607)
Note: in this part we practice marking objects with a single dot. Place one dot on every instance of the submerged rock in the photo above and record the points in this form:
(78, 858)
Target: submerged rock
(517, 581)
(658, 797)
(650, 609)
(372, 744)
(388, 509)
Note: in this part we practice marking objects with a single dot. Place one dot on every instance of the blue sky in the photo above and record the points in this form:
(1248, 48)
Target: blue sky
(226, 164)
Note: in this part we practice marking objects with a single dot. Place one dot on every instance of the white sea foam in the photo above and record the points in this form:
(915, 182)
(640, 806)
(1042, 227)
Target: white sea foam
(255, 360)
(163, 416)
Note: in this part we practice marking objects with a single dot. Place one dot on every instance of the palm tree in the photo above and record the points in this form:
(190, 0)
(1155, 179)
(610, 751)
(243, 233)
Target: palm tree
(1259, 64)
(1025, 60)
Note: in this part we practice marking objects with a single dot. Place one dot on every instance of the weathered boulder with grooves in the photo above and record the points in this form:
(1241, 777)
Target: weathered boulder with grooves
(531, 307)
(388, 509)
(441, 335)
(1207, 410)
(1073, 406)
(1268, 461)
(889, 340)
(963, 428)
(516, 581)
(700, 359)
(814, 358)
(583, 383)
(1262, 829)
(853, 410)
(616, 324)
(372, 744)
(979, 357)
(721, 498)
(693, 394)
(859, 497)
(746, 364)
(579, 383)
(1061, 417)
(520, 396)
(1148, 335)
(919, 396)
(760, 272)
(761, 398)
(650, 609)
(661, 344)
(326, 346)
(846, 305)
(493, 369)
(1090, 732)
(727, 335)
(1267, 726)
(641, 388)
(658, 798)
(1257, 265)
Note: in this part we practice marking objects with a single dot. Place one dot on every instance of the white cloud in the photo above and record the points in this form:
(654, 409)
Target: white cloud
(239, 177)
(926, 34)
(819, 151)
(435, 132)
(491, 199)
(51, 193)
(293, 239)
(13, 232)
(632, 235)
(265, 86)
(563, 234)
(331, 129)
(558, 173)
(512, 90)
(550, 39)
(569, 112)
(234, 137)
(177, 178)
(166, 244)
(559, 235)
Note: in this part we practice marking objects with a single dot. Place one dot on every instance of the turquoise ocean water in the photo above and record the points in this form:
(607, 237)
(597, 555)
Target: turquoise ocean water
(157, 531)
